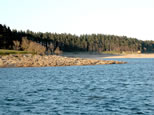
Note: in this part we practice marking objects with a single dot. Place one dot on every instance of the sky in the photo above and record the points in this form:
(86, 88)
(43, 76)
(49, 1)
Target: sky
(132, 18)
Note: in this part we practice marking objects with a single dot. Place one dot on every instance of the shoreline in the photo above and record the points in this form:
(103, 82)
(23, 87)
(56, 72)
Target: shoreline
(66, 59)
(29, 60)
(100, 56)
(148, 55)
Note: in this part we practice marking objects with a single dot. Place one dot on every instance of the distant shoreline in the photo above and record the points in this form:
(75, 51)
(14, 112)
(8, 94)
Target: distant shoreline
(148, 55)
(95, 55)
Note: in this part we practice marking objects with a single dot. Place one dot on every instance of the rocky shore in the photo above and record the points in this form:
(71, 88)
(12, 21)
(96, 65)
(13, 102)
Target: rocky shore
(28, 60)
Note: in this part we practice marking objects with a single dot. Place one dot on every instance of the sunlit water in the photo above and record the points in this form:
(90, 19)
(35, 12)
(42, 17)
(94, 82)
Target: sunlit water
(120, 89)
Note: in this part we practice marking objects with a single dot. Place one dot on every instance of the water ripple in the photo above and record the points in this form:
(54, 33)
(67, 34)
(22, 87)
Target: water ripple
(79, 90)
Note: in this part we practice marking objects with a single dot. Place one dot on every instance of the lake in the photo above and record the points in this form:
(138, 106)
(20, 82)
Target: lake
(118, 89)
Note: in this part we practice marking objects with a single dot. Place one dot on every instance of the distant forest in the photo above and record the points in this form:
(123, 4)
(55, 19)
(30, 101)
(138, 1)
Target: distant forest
(12, 39)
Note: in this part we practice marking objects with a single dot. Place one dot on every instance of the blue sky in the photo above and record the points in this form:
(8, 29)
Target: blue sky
(133, 18)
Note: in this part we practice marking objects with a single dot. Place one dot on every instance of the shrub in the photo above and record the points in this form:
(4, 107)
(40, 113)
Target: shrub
(16, 45)
(58, 51)
(28, 45)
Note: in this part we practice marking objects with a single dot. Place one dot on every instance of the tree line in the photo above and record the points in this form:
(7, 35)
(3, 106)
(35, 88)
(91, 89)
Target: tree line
(13, 39)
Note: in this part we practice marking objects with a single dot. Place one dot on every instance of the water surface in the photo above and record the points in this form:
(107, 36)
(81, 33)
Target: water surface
(118, 89)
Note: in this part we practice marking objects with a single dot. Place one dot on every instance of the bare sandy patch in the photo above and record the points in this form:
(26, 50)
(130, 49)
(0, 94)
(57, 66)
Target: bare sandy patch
(100, 56)
(148, 55)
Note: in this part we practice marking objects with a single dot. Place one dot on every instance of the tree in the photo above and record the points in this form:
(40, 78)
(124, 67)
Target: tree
(16, 45)
(68, 42)
(31, 46)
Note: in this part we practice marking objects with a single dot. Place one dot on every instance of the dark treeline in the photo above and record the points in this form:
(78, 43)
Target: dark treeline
(69, 42)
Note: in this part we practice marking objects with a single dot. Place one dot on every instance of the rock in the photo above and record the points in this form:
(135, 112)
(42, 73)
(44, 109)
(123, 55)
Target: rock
(1, 62)
(28, 60)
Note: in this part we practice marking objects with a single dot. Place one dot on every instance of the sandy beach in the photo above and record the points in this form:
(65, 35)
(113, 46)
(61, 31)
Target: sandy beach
(103, 55)
(150, 55)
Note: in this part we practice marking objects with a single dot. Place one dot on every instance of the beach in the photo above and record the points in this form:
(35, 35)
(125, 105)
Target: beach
(95, 55)
(148, 55)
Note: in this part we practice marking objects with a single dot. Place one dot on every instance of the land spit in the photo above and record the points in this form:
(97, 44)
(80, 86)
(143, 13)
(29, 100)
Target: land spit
(28, 60)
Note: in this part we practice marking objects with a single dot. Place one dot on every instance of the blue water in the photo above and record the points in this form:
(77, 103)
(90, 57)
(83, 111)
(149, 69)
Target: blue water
(120, 89)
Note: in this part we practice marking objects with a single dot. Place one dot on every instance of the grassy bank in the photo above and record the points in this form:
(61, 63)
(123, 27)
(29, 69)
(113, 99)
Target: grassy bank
(7, 52)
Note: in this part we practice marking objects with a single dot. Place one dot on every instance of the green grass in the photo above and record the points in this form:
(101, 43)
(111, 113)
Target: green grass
(7, 52)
